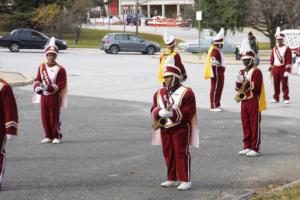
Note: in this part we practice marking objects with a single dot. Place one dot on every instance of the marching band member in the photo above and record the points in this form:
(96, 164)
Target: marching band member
(170, 56)
(8, 121)
(280, 68)
(251, 93)
(175, 105)
(50, 88)
(214, 69)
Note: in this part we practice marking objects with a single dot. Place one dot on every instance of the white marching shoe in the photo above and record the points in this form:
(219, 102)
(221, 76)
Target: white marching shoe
(185, 186)
(46, 140)
(287, 102)
(252, 153)
(273, 101)
(215, 109)
(56, 141)
(244, 151)
(169, 184)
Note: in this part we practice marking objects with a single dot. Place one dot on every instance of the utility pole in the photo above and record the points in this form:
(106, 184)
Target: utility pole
(137, 17)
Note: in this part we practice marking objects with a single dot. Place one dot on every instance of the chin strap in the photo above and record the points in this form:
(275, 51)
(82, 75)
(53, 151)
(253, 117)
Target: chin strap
(250, 63)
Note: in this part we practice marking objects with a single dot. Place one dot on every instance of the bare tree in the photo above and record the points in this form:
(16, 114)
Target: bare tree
(266, 15)
(76, 14)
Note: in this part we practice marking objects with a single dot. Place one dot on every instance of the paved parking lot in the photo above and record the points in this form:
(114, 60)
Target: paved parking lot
(106, 152)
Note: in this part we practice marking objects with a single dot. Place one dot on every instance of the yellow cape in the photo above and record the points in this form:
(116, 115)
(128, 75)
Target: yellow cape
(262, 99)
(207, 70)
(163, 58)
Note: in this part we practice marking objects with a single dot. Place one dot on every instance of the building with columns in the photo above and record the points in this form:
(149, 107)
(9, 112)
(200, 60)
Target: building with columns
(150, 8)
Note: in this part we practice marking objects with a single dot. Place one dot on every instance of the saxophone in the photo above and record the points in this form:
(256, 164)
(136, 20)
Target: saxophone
(241, 94)
(161, 122)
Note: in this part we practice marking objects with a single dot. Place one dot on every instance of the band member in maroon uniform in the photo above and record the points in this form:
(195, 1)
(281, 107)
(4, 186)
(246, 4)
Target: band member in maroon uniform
(251, 94)
(174, 115)
(8, 121)
(281, 60)
(50, 87)
(170, 56)
(214, 69)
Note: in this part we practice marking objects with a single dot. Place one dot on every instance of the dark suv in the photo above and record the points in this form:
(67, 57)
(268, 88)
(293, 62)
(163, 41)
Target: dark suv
(28, 39)
(115, 42)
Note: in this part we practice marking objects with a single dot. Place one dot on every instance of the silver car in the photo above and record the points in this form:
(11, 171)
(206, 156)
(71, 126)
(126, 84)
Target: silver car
(126, 42)
(193, 46)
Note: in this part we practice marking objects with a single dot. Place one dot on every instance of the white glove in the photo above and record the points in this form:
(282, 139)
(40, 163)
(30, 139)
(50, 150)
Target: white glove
(286, 74)
(164, 113)
(45, 87)
(10, 137)
(239, 78)
(38, 89)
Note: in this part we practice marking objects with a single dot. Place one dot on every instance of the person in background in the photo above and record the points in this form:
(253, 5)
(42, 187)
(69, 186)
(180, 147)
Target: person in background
(280, 68)
(50, 87)
(215, 70)
(254, 47)
(170, 56)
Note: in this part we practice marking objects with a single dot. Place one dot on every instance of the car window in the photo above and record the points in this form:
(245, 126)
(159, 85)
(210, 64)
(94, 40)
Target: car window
(121, 37)
(36, 36)
(134, 38)
(23, 34)
(13, 33)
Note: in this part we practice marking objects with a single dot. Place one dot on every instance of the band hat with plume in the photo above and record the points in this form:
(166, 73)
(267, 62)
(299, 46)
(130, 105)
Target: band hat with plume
(172, 70)
(169, 39)
(51, 47)
(219, 38)
(246, 51)
(278, 34)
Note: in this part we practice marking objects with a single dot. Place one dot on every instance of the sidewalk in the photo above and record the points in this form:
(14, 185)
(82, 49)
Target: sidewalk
(229, 58)
(15, 78)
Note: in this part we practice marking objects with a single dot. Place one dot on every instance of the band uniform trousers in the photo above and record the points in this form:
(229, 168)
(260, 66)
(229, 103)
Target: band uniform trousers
(50, 113)
(176, 144)
(217, 84)
(278, 77)
(251, 119)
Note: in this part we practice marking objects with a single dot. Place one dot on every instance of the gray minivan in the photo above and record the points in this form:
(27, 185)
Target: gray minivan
(126, 42)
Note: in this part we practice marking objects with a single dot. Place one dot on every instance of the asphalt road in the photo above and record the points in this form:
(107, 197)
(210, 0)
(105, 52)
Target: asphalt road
(106, 152)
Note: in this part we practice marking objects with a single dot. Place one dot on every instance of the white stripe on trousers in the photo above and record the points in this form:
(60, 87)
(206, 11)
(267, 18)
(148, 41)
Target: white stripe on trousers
(4, 157)
(216, 85)
(258, 127)
(186, 151)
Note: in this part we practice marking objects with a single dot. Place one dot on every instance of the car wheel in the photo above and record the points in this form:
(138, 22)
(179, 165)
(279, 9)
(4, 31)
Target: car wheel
(14, 47)
(150, 50)
(114, 49)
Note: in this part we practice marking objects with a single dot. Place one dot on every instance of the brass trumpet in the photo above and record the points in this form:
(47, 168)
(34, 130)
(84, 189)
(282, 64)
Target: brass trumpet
(161, 122)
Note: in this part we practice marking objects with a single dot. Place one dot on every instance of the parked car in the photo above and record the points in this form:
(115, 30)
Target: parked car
(116, 42)
(205, 42)
(28, 39)
(131, 19)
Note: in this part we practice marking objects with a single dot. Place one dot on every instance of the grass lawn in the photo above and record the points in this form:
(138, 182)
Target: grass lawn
(264, 45)
(292, 193)
(90, 38)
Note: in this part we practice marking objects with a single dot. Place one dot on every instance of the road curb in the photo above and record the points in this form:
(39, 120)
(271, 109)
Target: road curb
(25, 79)
(251, 194)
